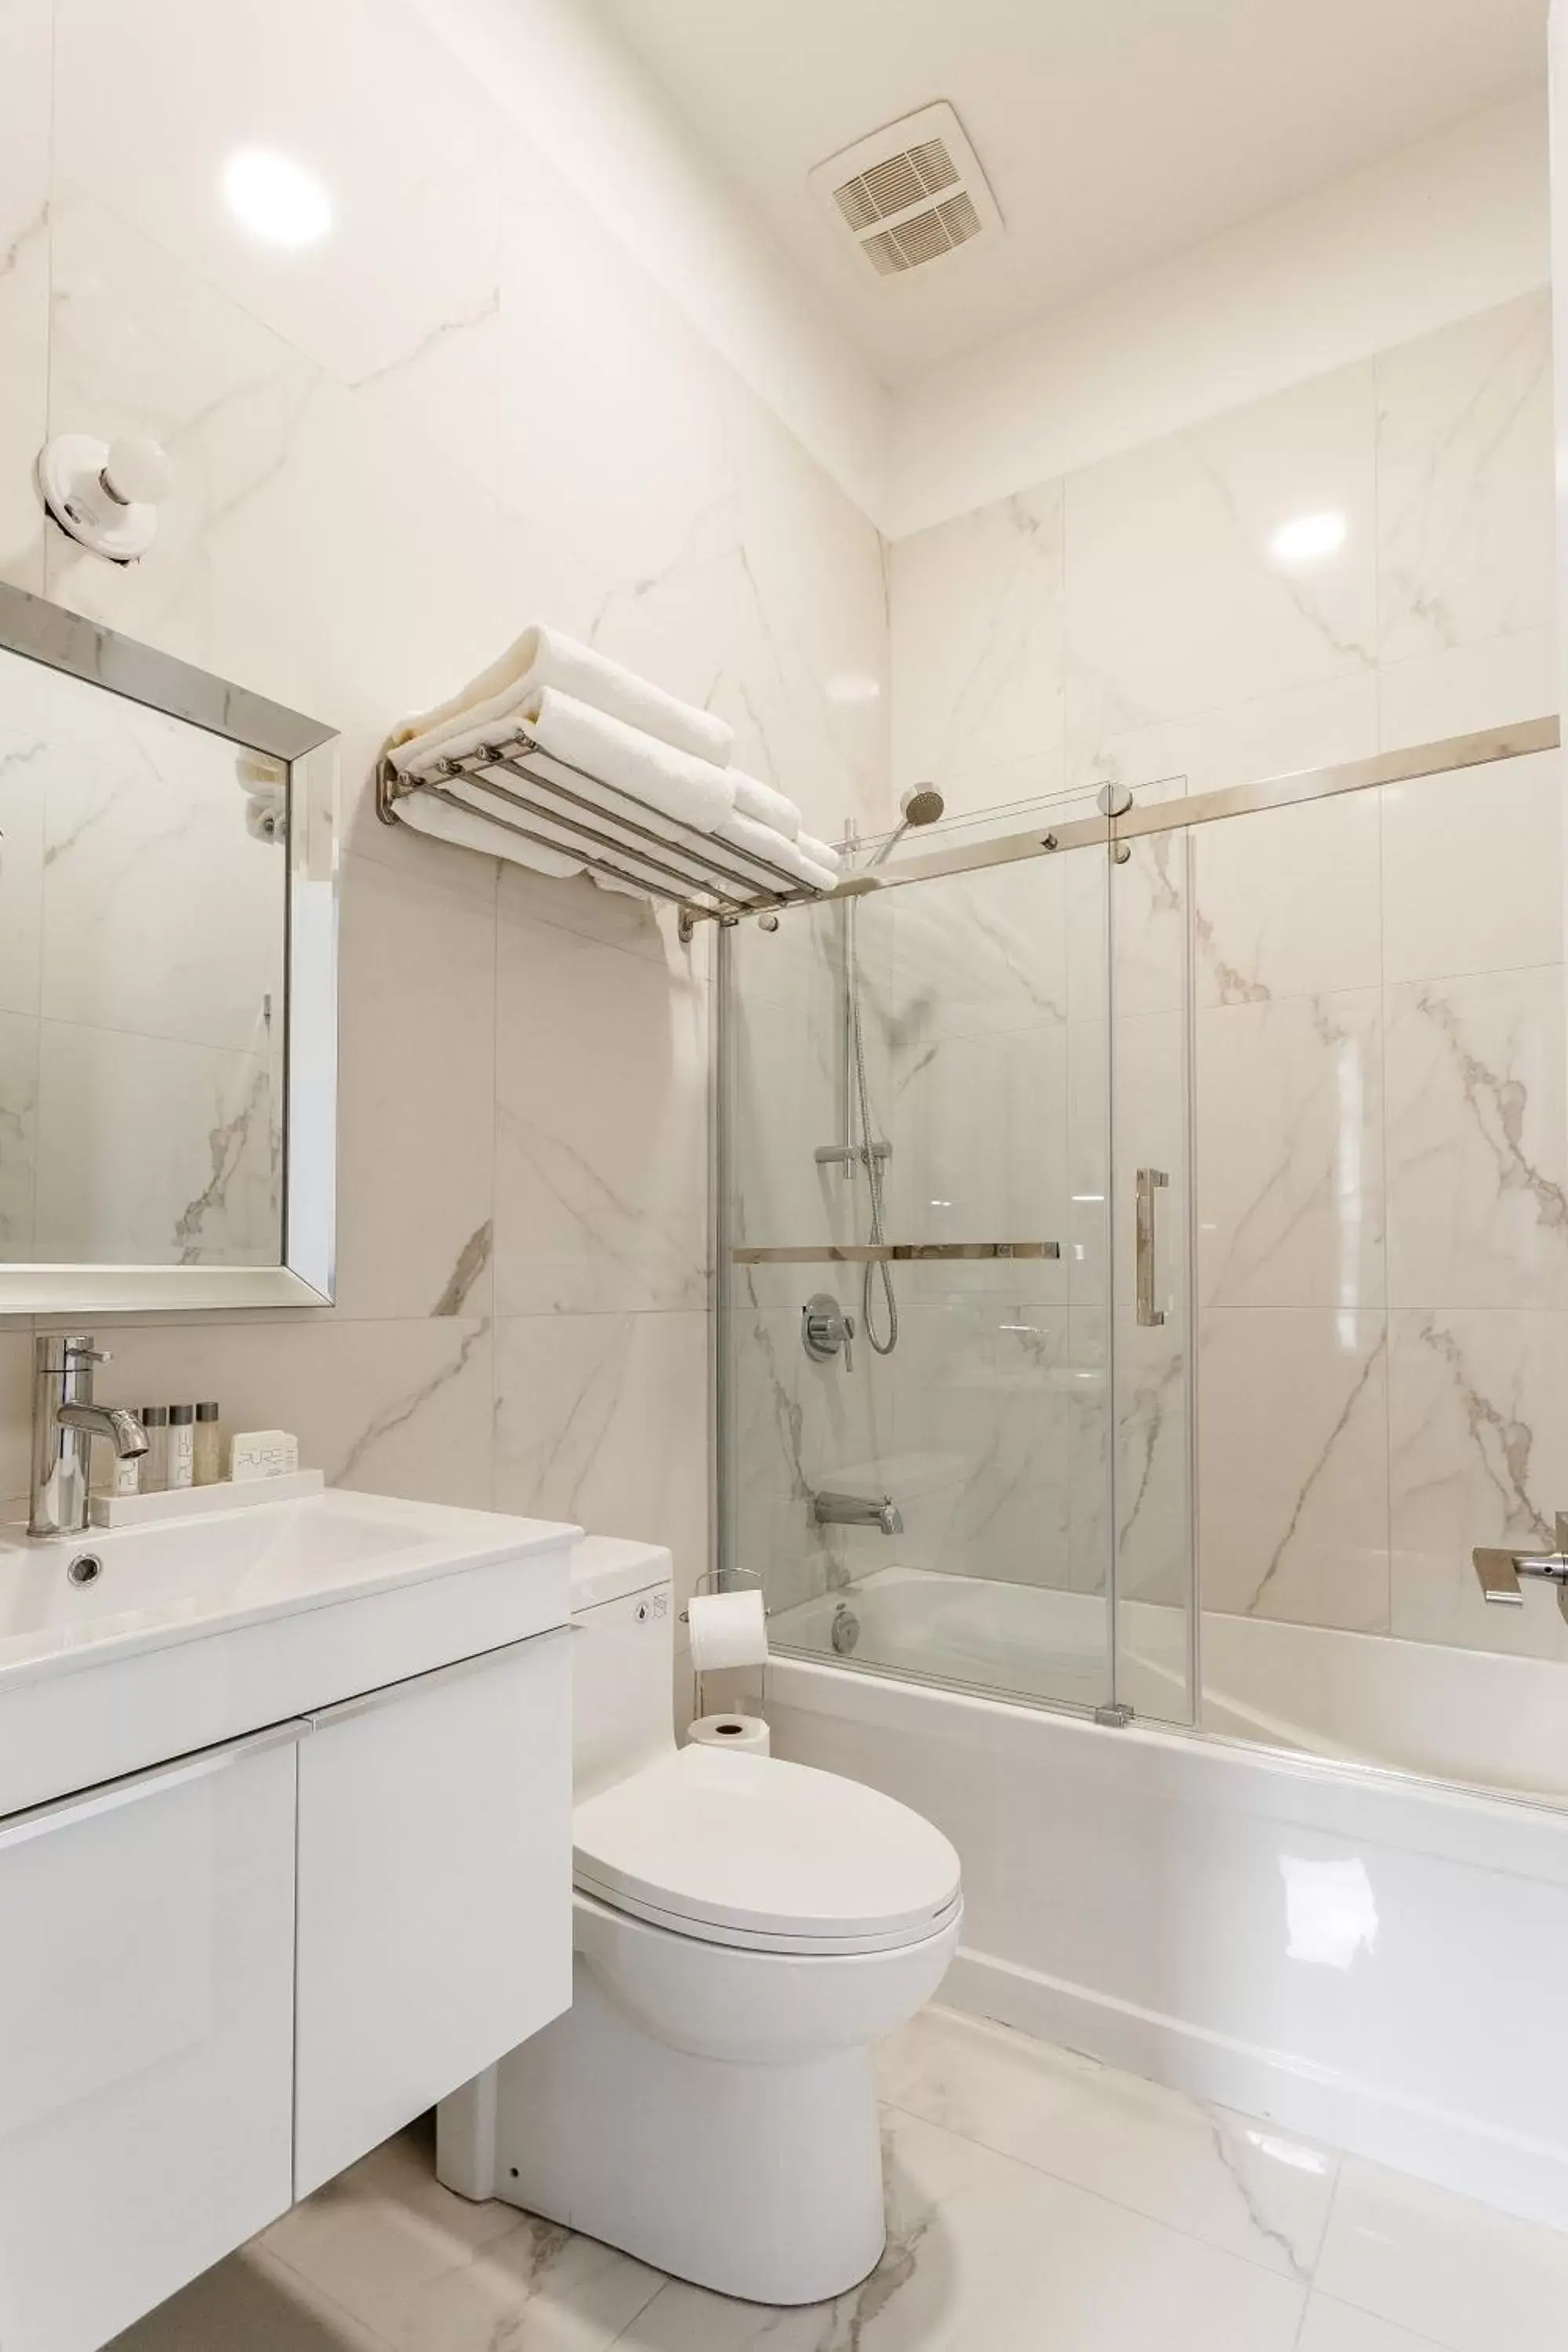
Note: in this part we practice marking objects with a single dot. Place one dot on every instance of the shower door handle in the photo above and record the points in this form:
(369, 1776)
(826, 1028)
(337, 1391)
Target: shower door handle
(1150, 1181)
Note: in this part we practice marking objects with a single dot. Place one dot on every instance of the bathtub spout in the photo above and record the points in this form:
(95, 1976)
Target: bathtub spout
(858, 1511)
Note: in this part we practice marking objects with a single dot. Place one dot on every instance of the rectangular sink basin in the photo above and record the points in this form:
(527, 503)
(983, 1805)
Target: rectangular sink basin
(122, 1647)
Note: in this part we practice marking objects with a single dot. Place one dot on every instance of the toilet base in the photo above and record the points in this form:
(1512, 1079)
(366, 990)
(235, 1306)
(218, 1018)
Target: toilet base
(762, 2181)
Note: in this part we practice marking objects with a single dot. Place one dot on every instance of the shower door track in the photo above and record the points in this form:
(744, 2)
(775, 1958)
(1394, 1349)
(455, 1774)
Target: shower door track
(1492, 744)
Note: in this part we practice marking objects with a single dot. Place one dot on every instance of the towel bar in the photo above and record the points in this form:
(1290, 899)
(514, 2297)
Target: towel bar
(614, 834)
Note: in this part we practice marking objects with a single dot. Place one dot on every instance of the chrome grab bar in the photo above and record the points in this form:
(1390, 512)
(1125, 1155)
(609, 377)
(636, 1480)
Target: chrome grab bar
(1150, 1181)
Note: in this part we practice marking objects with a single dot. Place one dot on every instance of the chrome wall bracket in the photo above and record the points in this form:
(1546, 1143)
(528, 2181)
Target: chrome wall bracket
(1500, 1571)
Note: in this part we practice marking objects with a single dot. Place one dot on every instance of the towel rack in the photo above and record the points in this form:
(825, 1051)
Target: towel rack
(538, 798)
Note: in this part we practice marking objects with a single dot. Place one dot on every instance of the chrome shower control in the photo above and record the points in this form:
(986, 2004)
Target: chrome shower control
(825, 1329)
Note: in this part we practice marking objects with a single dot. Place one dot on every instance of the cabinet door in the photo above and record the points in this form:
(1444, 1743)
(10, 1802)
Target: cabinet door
(435, 1891)
(146, 2030)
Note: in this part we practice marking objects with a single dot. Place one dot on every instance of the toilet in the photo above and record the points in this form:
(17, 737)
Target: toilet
(745, 1930)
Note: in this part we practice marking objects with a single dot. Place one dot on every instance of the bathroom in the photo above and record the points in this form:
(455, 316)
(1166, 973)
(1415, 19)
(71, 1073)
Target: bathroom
(1094, 1273)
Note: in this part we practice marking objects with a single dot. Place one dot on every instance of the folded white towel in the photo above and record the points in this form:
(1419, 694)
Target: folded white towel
(545, 658)
(819, 852)
(764, 805)
(762, 842)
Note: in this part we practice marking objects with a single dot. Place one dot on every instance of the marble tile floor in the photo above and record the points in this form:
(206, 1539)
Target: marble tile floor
(1037, 2202)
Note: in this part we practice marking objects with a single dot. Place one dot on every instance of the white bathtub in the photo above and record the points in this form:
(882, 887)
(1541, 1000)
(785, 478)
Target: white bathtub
(1366, 1957)
(1463, 1716)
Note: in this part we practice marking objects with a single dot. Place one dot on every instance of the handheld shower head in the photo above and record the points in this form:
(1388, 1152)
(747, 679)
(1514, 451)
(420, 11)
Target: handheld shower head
(918, 804)
(921, 804)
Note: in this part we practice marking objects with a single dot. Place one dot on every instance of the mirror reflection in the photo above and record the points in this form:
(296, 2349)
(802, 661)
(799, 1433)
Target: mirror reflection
(144, 909)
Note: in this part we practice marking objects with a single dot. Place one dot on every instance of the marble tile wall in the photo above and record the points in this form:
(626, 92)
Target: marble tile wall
(1375, 1039)
(463, 409)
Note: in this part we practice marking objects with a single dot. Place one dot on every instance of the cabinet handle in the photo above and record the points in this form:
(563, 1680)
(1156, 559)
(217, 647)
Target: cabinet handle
(1150, 1181)
(367, 1702)
(86, 1805)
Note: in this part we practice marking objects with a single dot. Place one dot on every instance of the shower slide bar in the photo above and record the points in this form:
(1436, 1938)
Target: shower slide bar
(892, 1253)
(708, 880)
(1519, 741)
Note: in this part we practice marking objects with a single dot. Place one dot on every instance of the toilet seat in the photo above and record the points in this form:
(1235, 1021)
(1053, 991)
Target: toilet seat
(776, 1857)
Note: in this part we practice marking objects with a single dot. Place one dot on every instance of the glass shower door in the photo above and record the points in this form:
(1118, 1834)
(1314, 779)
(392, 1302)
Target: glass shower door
(916, 1425)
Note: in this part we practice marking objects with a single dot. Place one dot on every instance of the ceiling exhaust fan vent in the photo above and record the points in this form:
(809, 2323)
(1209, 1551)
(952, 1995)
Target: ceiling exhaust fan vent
(912, 191)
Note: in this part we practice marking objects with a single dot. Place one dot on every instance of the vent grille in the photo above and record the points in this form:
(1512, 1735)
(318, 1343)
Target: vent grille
(883, 190)
(923, 237)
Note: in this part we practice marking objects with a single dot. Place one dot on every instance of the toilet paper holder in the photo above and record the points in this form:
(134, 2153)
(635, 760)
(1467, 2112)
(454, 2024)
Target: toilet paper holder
(728, 1580)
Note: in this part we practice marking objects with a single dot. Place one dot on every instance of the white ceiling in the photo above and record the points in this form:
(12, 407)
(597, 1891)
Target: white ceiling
(1115, 132)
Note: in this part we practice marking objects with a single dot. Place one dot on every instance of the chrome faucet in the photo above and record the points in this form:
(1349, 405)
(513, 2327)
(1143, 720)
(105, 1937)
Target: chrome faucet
(858, 1511)
(65, 1419)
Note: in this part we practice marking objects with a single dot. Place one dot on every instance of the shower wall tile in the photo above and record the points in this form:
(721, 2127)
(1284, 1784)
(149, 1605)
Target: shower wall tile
(977, 650)
(804, 602)
(1472, 870)
(1289, 1135)
(1176, 603)
(18, 1131)
(1477, 1151)
(285, 561)
(1288, 902)
(1464, 456)
(400, 300)
(712, 554)
(981, 952)
(1293, 1470)
(1493, 683)
(1477, 1435)
(393, 1407)
(417, 1091)
(26, 78)
(601, 1190)
(602, 1419)
(1315, 726)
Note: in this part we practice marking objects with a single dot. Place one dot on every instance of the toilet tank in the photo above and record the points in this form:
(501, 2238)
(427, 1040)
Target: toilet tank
(623, 1661)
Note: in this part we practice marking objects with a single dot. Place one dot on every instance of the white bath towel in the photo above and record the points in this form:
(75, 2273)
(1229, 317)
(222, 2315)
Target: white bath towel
(762, 842)
(543, 657)
(663, 789)
(764, 805)
(819, 852)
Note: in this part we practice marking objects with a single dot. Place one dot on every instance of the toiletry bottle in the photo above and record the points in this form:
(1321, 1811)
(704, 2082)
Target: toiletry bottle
(182, 1446)
(154, 1419)
(209, 1447)
(115, 1475)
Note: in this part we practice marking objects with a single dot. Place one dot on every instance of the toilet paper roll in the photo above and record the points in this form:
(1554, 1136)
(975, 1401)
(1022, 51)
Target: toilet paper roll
(744, 1732)
(728, 1629)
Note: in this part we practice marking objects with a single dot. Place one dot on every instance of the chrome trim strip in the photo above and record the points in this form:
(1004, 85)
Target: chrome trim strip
(892, 1253)
(39, 631)
(42, 632)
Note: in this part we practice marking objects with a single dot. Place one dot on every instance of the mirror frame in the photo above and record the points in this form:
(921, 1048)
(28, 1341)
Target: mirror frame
(42, 632)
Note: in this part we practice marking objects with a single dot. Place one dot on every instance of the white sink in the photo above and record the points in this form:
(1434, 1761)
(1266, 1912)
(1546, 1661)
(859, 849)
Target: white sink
(195, 1631)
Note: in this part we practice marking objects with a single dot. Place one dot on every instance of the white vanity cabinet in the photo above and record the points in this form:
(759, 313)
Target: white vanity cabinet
(146, 2037)
(433, 1884)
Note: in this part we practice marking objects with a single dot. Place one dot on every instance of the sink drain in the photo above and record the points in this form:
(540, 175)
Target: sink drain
(85, 1569)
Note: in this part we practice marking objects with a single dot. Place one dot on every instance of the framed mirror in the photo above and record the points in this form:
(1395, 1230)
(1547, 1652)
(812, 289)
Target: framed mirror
(168, 981)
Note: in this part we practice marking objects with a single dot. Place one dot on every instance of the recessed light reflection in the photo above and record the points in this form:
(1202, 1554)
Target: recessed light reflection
(1308, 539)
(854, 686)
(276, 198)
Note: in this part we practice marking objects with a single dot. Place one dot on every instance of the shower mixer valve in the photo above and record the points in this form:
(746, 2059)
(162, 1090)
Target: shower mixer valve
(825, 1329)
(1500, 1571)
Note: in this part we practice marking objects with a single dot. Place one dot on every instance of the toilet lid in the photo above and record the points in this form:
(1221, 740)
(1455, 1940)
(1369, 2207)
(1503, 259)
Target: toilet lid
(749, 1849)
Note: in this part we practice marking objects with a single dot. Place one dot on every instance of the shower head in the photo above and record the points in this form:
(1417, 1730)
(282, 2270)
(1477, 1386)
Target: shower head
(921, 804)
(918, 804)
